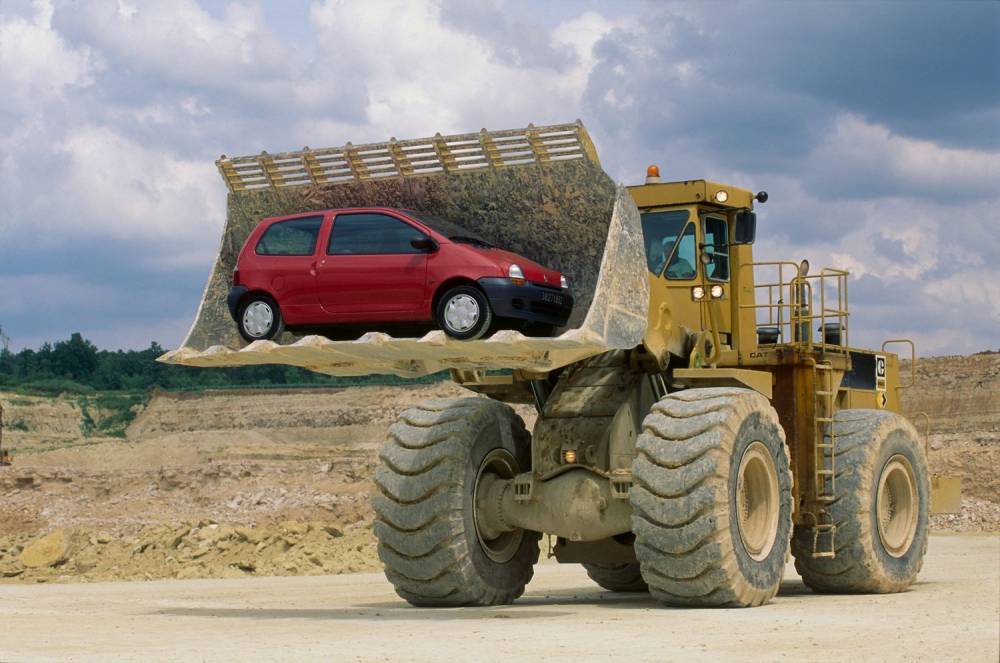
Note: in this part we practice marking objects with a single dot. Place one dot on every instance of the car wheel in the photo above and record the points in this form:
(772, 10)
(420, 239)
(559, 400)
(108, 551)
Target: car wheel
(464, 313)
(259, 319)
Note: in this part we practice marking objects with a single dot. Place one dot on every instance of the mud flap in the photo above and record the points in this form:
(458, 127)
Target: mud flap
(946, 495)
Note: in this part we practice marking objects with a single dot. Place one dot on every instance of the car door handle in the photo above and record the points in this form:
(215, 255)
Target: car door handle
(312, 269)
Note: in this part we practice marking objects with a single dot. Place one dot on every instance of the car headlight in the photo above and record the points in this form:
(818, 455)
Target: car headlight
(697, 293)
(516, 274)
(717, 292)
(563, 282)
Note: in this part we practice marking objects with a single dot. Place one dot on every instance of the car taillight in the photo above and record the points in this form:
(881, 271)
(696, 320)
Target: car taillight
(236, 277)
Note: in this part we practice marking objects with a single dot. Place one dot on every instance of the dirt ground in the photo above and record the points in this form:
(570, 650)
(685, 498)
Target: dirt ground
(240, 484)
(218, 485)
(951, 613)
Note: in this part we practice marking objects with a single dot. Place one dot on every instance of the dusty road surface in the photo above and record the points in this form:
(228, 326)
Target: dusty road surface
(953, 613)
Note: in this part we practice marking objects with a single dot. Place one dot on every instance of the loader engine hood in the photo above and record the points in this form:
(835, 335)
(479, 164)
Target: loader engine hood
(539, 193)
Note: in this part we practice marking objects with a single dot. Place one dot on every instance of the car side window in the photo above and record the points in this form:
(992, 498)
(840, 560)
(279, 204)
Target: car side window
(685, 256)
(717, 247)
(366, 233)
(295, 237)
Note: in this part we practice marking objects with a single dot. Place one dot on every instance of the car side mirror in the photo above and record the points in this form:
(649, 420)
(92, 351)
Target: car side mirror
(425, 244)
(746, 228)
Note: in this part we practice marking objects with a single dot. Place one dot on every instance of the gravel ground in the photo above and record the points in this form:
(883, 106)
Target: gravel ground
(951, 613)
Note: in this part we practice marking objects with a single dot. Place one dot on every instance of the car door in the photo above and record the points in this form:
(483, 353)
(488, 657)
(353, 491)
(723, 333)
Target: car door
(283, 265)
(371, 271)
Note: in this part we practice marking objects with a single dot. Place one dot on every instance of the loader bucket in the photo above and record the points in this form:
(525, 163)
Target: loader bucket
(539, 192)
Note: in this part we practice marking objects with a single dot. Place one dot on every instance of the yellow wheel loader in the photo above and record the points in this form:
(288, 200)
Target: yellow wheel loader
(701, 415)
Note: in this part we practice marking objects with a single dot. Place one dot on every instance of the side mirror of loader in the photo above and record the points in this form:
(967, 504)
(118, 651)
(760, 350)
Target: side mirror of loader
(746, 228)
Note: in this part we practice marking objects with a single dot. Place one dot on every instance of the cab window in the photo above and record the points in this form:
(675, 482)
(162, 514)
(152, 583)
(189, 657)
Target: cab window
(295, 237)
(717, 248)
(660, 231)
(685, 257)
(361, 234)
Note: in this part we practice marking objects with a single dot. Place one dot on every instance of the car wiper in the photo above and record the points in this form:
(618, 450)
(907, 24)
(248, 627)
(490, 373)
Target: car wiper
(470, 240)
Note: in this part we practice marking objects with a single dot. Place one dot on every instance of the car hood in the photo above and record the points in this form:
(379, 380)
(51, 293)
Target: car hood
(532, 270)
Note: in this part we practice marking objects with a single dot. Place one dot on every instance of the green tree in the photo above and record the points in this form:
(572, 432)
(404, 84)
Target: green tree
(75, 358)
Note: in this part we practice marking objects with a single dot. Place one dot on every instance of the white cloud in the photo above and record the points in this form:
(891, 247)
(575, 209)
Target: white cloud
(120, 107)
(36, 65)
(437, 77)
(128, 191)
(581, 33)
(870, 155)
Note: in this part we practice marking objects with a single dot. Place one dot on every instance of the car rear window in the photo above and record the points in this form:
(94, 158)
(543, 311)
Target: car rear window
(295, 237)
(360, 234)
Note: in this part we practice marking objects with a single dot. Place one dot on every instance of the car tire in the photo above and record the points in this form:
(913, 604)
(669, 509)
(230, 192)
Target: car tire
(463, 312)
(259, 318)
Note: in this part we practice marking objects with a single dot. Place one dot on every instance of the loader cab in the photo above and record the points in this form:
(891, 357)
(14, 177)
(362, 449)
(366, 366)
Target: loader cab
(696, 235)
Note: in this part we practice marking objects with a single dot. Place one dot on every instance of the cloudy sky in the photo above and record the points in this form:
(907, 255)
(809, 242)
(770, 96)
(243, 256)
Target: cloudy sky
(875, 127)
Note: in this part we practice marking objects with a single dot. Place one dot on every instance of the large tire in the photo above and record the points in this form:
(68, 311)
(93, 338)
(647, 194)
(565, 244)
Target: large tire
(623, 578)
(871, 445)
(425, 506)
(703, 455)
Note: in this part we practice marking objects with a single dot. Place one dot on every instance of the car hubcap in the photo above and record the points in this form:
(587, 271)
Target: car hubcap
(757, 501)
(257, 319)
(502, 547)
(896, 506)
(461, 313)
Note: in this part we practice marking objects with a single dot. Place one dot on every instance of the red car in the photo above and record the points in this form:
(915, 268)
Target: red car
(375, 266)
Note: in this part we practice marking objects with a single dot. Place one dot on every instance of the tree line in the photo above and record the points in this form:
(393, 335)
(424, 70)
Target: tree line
(77, 365)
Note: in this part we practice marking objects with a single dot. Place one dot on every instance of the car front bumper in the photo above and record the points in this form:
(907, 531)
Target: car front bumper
(530, 302)
(233, 299)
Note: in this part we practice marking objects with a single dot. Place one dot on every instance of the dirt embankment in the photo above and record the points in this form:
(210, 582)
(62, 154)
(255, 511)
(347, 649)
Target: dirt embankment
(269, 482)
(208, 485)
(961, 398)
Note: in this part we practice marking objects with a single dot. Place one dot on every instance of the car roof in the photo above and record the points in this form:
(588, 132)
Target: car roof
(333, 210)
(434, 222)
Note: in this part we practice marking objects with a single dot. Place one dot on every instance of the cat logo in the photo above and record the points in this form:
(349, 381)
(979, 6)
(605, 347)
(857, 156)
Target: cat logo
(882, 400)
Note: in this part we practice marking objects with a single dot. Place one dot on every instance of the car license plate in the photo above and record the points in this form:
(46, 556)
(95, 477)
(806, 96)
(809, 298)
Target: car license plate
(552, 299)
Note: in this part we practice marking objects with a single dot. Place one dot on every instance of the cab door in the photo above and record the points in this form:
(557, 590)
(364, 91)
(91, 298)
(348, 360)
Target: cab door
(715, 230)
(371, 272)
(670, 236)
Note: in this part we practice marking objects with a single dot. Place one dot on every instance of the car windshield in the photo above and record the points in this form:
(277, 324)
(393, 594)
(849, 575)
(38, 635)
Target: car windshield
(452, 231)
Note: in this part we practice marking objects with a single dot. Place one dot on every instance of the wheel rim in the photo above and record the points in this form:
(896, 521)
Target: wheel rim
(896, 506)
(461, 313)
(502, 548)
(258, 318)
(757, 501)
